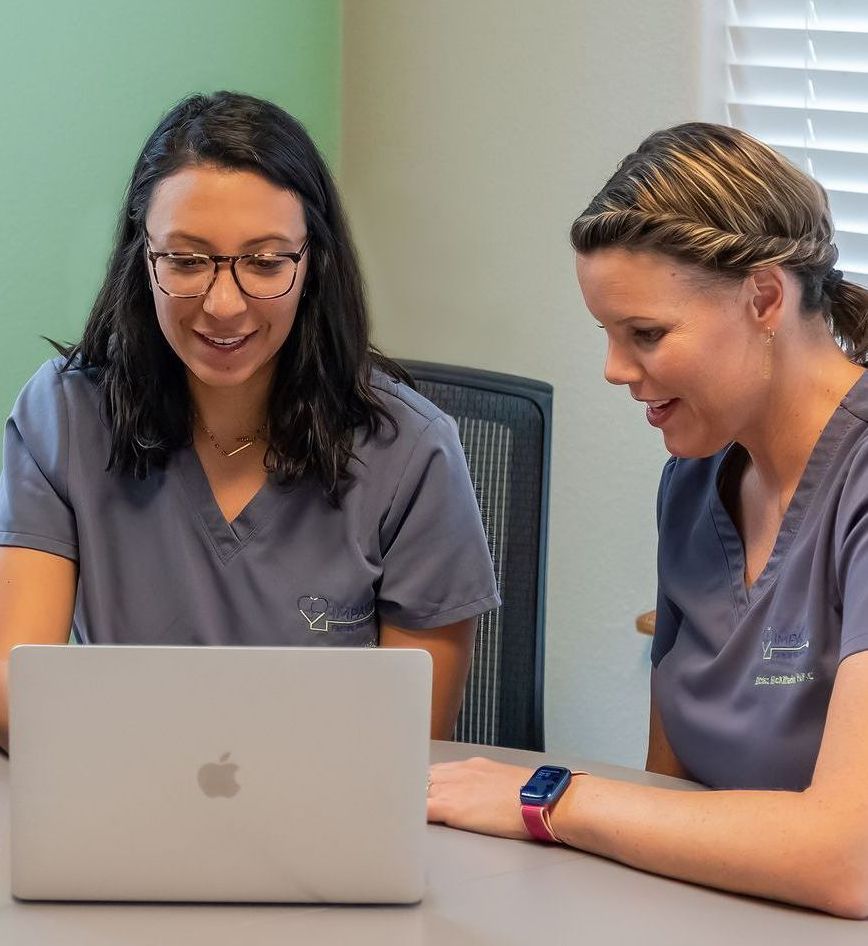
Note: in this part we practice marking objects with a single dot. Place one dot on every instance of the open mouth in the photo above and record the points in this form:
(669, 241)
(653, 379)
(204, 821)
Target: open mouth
(226, 343)
(657, 412)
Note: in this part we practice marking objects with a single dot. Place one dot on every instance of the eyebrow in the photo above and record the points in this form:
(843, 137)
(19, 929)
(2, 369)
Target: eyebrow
(636, 318)
(199, 241)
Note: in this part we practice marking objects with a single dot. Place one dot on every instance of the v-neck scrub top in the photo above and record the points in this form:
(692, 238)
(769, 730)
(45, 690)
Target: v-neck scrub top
(159, 564)
(744, 675)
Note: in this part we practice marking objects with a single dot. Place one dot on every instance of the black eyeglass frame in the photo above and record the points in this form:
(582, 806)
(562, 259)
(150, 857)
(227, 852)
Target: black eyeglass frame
(216, 259)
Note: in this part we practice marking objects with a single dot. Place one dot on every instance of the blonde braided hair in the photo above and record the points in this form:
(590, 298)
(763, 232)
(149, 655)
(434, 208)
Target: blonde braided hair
(716, 198)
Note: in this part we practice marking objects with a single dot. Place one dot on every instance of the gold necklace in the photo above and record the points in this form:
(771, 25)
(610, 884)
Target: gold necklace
(246, 441)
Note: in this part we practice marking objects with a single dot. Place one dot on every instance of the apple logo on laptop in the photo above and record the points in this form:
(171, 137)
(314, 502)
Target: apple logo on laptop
(217, 779)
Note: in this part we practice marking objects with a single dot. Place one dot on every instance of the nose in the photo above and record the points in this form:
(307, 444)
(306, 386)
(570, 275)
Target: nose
(620, 368)
(224, 300)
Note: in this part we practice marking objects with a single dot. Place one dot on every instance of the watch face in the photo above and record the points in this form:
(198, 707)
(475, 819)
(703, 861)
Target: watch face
(546, 785)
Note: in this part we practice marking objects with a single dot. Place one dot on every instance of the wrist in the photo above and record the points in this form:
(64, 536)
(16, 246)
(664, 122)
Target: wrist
(538, 798)
(562, 815)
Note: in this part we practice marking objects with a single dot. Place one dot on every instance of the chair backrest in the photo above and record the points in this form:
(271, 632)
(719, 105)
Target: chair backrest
(504, 423)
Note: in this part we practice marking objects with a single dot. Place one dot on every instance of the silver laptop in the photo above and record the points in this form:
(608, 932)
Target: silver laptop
(218, 774)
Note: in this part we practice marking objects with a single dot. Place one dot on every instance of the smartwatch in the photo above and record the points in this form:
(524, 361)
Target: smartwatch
(539, 795)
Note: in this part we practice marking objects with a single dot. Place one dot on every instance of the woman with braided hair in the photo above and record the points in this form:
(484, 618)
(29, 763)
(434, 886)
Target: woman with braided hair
(709, 262)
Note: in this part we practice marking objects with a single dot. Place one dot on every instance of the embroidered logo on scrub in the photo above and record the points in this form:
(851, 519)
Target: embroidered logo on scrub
(784, 647)
(770, 649)
(323, 617)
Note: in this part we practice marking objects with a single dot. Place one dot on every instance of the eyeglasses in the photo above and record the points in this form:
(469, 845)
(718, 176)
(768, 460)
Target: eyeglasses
(258, 275)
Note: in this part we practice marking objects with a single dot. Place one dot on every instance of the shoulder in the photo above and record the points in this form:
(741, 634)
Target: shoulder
(852, 498)
(413, 414)
(54, 384)
(56, 401)
(44, 385)
(849, 461)
(415, 435)
(403, 402)
(54, 410)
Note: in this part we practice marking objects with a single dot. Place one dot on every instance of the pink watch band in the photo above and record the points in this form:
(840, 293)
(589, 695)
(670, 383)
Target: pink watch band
(538, 824)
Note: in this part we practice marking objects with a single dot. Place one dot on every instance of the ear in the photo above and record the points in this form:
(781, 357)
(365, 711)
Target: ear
(766, 291)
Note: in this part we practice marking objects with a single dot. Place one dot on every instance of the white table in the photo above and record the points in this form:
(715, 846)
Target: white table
(480, 891)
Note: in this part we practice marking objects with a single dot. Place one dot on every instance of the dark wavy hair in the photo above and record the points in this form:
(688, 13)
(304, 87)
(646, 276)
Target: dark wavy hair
(321, 393)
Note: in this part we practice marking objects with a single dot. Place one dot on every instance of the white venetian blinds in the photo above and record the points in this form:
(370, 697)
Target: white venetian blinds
(798, 80)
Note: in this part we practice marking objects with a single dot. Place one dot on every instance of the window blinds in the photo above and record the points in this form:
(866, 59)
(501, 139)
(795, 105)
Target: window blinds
(798, 80)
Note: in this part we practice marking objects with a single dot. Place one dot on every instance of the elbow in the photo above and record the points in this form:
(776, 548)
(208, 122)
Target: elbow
(847, 904)
(831, 861)
(849, 900)
(842, 888)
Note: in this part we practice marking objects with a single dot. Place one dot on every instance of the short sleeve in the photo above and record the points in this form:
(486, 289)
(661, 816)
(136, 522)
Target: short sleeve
(667, 618)
(35, 511)
(436, 564)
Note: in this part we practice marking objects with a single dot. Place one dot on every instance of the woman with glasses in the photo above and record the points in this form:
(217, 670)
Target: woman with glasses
(709, 262)
(224, 458)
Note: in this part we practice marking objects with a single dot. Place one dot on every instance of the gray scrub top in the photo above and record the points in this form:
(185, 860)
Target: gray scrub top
(159, 564)
(744, 675)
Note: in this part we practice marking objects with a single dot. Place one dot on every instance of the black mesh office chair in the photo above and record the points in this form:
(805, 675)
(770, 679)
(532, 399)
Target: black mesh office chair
(504, 423)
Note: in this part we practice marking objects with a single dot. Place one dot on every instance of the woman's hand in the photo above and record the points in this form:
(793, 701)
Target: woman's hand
(478, 795)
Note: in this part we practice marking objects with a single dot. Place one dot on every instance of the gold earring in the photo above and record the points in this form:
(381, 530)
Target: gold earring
(767, 354)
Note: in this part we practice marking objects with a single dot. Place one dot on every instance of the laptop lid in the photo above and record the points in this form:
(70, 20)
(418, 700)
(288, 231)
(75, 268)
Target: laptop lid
(218, 774)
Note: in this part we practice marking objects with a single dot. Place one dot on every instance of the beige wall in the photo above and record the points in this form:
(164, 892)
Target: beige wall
(473, 132)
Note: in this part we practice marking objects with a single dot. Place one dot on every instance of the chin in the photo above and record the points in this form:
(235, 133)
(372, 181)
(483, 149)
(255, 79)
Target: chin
(685, 449)
(226, 378)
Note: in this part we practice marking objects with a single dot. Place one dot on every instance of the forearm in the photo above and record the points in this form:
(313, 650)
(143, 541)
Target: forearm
(444, 714)
(448, 695)
(782, 845)
(451, 650)
(37, 598)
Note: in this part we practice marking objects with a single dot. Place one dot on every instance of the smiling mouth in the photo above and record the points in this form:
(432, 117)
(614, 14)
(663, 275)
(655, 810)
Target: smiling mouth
(658, 412)
(225, 342)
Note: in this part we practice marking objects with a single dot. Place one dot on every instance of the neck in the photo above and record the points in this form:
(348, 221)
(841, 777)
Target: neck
(803, 394)
(232, 411)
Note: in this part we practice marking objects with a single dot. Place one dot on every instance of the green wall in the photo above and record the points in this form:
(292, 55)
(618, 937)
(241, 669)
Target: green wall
(83, 83)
